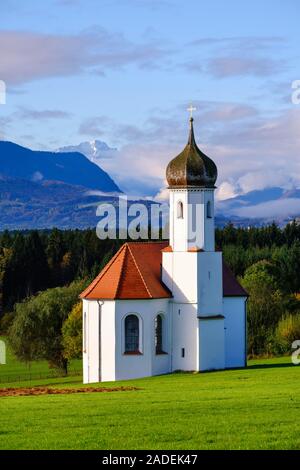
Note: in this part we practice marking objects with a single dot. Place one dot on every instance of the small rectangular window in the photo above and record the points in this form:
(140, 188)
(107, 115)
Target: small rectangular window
(182, 352)
(179, 311)
(208, 210)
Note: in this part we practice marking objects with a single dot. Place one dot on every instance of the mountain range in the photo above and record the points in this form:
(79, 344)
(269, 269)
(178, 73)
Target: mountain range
(63, 188)
(262, 206)
(47, 189)
(71, 168)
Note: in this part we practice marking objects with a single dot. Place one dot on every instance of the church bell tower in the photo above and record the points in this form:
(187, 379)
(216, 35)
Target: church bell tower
(191, 177)
(192, 269)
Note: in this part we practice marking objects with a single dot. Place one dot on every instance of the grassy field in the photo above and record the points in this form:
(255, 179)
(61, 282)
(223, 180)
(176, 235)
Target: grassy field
(254, 408)
(16, 371)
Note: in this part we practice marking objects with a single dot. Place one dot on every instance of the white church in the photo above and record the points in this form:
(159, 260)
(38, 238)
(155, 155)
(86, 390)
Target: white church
(162, 307)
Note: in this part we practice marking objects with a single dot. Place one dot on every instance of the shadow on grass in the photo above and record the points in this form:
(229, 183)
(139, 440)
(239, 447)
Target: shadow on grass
(270, 366)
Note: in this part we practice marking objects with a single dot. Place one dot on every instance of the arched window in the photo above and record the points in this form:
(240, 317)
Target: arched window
(132, 334)
(179, 210)
(159, 334)
(208, 210)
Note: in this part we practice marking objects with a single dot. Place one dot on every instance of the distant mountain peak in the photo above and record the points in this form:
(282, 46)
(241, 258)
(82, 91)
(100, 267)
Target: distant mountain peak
(95, 150)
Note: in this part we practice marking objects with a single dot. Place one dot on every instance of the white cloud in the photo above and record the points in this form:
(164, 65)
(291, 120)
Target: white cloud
(225, 191)
(278, 208)
(162, 195)
(257, 180)
(222, 67)
(27, 56)
(259, 153)
(37, 176)
(251, 154)
(139, 168)
(33, 114)
(238, 56)
(229, 112)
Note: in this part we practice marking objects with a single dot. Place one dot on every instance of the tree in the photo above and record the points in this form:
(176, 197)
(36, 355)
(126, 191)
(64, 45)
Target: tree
(36, 332)
(72, 333)
(265, 305)
(291, 232)
(16, 273)
(235, 257)
(287, 260)
(5, 255)
(55, 253)
(287, 331)
(27, 270)
(37, 266)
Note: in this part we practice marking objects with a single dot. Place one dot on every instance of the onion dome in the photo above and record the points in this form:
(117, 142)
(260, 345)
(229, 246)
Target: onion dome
(191, 168)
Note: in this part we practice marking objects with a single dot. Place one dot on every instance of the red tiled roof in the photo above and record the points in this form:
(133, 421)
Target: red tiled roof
(231, 287)
(135, 273)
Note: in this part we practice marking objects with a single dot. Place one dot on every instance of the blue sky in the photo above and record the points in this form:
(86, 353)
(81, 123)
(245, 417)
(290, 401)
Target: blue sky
(124, 71)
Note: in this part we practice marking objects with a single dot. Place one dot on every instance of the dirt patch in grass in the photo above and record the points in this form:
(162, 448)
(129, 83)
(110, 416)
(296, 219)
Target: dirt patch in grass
(19, 392)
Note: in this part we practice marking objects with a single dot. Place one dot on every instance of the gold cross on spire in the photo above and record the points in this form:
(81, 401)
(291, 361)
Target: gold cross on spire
(191, 108)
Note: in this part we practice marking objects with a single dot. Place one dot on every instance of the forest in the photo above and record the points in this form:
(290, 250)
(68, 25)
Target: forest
(43, 272)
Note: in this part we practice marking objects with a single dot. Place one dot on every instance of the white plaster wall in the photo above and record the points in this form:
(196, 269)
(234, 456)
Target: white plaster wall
(211, 344)
(91, 364)
(209, 223)
(178, 226)
(185, 335)
(161, 363)
(195, 228)
(210, 283)
(85, 361)
(108, 342)
(179, 273)
(235, 329)
(146, 364)
(167, 269)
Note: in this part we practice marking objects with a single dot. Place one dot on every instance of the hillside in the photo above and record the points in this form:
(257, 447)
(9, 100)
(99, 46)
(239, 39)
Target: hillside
(26, 204)
(71, 168)
(45, 189)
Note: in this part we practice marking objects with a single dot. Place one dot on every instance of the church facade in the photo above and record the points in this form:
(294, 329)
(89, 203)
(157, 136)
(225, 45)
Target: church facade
(159, 307)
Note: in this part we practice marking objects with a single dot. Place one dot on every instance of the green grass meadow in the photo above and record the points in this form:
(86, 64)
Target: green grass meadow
(15, 371)
(253, 408)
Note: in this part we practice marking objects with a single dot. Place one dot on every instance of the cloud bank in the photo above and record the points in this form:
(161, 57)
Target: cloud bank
(27, 56)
